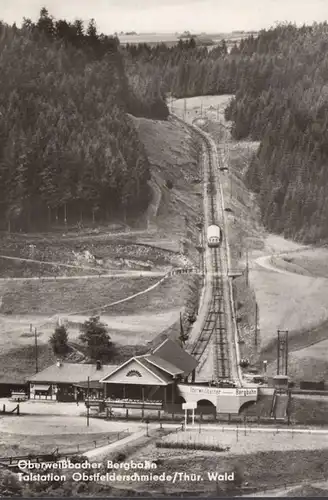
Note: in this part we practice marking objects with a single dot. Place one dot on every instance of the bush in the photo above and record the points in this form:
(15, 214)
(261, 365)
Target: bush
(9, 484)
(79, 459)
(190, 446)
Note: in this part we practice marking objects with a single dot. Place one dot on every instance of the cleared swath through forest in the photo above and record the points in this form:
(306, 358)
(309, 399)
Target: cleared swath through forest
(214, 329)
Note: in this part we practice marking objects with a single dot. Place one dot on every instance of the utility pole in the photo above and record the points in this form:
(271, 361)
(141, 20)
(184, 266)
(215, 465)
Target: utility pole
(282, 351)
(217, 113)
(36, 350)
(181, 330)
(184, 109)
(88, 403)
(278, 353)
(286, 355)
(201, 109)
(247, 282)
(256, 320)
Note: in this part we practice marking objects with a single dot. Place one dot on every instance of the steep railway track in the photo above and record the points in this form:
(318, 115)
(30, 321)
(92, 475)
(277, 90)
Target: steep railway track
(214, 330)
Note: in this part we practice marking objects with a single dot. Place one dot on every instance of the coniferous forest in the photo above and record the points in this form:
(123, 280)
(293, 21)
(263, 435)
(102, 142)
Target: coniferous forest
(285, 106)
(69, 149)
(280, 82)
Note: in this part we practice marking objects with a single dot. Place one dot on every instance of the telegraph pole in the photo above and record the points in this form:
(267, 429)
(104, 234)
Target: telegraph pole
(247, 266)
(278, 352)
(256, 320)
(36, 350)
(181, 330)
(184, 109)
(282, 351)
(286, 354)
(88, 402)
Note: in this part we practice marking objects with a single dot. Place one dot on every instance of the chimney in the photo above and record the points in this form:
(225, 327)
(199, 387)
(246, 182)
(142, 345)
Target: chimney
(98, 365)
(58, 363)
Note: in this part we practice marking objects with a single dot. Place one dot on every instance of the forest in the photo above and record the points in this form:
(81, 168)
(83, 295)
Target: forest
(284, 104)
(280, 82)
(69, 151)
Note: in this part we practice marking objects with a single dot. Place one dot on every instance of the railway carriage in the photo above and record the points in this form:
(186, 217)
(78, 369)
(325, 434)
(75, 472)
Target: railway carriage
(213, 236)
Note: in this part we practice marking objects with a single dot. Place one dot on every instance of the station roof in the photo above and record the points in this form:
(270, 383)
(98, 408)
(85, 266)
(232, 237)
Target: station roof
(166, 360)
(72, 373)
(172, 354)
(163, 364)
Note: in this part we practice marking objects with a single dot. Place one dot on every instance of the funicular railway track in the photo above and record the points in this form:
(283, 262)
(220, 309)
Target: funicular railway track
(214, 329)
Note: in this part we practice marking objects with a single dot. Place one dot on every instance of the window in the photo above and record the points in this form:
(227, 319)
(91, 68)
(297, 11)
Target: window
(133, 373)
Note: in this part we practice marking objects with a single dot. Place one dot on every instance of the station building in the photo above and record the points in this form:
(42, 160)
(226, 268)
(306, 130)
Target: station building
(153, 376)
(159, 380)
(69, 382)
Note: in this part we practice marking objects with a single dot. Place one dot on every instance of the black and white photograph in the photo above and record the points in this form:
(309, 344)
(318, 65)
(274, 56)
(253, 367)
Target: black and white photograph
(163, 248)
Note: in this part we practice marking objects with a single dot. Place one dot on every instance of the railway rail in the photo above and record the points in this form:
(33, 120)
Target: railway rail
(214, 330)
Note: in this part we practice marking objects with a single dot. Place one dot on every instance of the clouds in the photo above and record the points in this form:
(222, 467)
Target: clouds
(172, 15)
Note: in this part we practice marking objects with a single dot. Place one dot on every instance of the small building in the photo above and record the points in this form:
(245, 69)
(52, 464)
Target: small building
(152, 376)
(69, 381)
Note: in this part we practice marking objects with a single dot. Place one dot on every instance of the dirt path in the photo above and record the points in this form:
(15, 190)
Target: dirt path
(114, 273)
(266, 263)
(117, 445)
(117, 274)
(88, 236)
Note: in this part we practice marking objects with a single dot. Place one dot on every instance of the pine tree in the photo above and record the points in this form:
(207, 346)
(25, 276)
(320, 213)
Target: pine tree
(95, 336)
(59, 341)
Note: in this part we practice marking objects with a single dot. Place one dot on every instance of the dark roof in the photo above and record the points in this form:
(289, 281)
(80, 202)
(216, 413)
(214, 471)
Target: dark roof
(171, 352)
(72, 373)
(163, 364)
(163, 376)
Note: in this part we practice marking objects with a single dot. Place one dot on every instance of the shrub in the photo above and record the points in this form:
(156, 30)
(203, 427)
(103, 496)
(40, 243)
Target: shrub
(79, 459)
(190, 446)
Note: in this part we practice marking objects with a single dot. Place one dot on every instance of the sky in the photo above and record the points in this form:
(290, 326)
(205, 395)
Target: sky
(170, 16)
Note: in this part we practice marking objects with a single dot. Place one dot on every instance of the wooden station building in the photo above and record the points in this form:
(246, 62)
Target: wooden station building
(152, 377)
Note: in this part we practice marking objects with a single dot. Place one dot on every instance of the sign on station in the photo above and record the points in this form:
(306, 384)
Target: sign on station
(189, 406)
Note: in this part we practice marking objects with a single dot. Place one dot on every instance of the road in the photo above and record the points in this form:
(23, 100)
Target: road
(265, 263)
